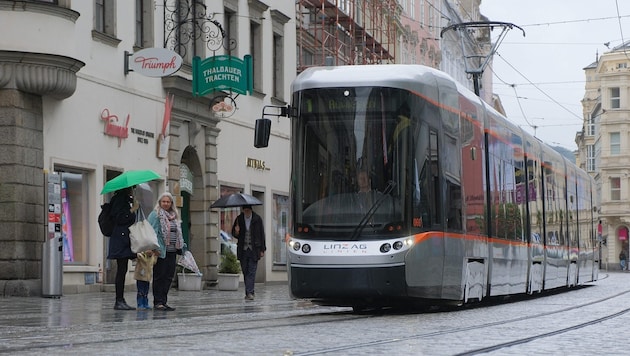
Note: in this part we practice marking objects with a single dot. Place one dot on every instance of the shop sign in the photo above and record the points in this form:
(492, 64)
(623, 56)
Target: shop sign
(223, 73)
(113, 128)
(257, 164)
(155, 62)
(185, 179)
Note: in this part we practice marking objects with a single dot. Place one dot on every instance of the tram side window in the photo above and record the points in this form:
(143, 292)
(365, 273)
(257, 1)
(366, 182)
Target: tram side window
(452, 178)
(454, 201)
(422, 180)
(435, 201)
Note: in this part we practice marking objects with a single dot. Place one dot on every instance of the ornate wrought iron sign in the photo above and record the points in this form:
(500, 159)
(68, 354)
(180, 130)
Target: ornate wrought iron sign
(186, 21)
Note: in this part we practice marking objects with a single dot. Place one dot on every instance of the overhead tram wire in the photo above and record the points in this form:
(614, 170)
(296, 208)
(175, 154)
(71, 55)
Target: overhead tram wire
(513, 85)
(618, 17)
(539, 89)
(623, 41)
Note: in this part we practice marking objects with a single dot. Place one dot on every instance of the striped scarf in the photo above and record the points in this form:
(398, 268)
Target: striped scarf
(165, 224)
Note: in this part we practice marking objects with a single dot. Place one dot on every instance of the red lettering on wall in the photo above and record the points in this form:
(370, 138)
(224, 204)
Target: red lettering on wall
(112, 129)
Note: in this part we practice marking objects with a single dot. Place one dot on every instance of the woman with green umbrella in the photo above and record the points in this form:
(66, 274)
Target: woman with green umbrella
(124, 209)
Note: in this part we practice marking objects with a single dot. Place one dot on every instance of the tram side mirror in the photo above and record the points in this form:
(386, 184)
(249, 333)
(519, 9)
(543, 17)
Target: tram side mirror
(262, 130)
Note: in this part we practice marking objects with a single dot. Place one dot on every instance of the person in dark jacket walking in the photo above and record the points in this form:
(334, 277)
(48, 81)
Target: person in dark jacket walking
(124, 209)
(249, 230)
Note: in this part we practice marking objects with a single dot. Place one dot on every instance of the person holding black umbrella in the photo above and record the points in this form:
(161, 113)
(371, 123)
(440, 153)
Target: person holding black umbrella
(123, 211)
(249, 230)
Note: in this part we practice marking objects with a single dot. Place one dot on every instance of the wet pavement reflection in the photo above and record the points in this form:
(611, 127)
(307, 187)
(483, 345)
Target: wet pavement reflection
(97, 308)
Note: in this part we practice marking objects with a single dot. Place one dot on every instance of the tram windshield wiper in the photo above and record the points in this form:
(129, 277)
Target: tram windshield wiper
(368, 215)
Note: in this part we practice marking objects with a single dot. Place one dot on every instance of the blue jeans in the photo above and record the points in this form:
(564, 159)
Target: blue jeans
(143, 294)
(623, 265)
(249, 264)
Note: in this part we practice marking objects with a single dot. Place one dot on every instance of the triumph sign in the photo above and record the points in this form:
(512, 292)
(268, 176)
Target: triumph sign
(153, 62)
(223, 73)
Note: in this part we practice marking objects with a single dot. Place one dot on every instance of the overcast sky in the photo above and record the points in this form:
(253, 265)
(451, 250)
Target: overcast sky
(547, 65)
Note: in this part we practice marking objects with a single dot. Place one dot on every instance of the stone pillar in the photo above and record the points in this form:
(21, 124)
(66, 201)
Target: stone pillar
(21, 192)
(25, 78)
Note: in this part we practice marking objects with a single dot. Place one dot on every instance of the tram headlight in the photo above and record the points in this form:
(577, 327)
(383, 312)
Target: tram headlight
(306, 248)
(296, 245)
(398, 245)
(386, 247)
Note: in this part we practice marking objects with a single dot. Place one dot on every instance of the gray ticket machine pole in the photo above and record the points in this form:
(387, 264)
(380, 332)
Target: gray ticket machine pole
(52, 250)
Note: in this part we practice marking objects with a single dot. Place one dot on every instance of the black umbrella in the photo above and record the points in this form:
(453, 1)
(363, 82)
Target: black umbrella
(235, 200)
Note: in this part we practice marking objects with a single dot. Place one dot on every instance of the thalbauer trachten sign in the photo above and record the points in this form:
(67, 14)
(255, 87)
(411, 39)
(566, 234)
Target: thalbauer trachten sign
(223, 73)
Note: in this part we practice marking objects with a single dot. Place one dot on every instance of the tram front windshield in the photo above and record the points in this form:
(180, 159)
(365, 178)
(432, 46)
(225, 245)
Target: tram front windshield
(351, 162)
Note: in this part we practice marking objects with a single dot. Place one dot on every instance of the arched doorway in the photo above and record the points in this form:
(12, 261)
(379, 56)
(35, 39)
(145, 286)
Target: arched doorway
(194, 211)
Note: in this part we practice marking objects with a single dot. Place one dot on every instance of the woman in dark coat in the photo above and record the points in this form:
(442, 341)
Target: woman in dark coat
(123, 211)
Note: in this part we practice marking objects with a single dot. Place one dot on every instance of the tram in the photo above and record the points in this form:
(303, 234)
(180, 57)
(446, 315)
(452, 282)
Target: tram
(406, 187)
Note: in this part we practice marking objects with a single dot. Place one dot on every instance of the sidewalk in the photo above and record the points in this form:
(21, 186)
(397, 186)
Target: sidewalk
(95, 308)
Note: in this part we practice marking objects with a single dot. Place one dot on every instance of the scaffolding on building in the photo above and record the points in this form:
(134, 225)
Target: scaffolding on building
(346, 32)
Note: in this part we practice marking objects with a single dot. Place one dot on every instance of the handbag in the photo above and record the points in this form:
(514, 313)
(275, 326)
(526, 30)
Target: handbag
(144, 267)
(142, 234)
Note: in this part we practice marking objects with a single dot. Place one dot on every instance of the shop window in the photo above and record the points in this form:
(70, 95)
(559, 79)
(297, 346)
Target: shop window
(75, 223)
(280, 217)
(228, 215)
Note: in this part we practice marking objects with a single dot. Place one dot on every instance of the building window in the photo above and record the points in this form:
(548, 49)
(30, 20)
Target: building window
(590, 158)
(144, 24)
(422, 14)
(590, 126)
(231, 26)
(615, 188)
(279, 228)
(256, 52)
(278, 22)
(104, 17)
(615, 143)
(278, 67)
(615, 98)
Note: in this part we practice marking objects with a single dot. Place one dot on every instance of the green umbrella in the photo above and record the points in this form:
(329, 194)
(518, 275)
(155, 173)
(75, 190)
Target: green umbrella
(129, 179)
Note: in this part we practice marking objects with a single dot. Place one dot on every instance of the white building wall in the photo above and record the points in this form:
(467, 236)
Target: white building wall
(235, 143)
(73, 129)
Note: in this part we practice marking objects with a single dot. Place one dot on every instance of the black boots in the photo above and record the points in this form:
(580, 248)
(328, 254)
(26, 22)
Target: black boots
(122, 305)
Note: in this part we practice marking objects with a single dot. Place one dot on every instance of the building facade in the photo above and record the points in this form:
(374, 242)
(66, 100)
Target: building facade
(604, 149)
(72, 106)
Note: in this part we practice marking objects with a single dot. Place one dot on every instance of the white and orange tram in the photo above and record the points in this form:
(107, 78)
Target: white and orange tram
(406, 187)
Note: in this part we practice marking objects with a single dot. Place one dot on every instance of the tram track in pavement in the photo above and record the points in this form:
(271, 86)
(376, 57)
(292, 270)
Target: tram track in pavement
(302, 315)
(491, 325)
